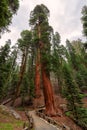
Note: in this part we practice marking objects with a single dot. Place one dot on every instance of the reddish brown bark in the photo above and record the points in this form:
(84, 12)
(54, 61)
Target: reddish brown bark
(38, 76)
(38, 67)
(47, 87)
(48, 93)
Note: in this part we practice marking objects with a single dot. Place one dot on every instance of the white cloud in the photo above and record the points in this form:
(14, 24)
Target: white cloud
(64, 17)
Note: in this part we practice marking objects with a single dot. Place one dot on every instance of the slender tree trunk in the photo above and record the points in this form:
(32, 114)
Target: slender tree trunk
(21, 74)
(23, 65)
(48, 92)
(58, 84)
(38, 75)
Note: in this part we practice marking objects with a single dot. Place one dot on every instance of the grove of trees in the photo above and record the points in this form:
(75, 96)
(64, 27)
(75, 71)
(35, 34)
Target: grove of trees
(27, 67)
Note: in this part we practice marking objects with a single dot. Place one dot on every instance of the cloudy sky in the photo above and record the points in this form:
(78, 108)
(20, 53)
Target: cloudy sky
(64, 17)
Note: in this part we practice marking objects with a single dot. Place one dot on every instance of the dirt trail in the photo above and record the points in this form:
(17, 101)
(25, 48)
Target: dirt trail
(41, 124)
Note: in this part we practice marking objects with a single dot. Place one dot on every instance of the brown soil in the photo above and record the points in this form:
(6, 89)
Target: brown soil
(62, 119)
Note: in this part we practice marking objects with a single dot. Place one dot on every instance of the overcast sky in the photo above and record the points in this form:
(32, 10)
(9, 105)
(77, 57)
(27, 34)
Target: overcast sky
(64, 17)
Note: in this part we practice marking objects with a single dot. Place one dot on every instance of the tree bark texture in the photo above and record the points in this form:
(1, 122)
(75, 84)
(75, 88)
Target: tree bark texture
(21, 74)
(47, 87)
(38, 75)
(48, 92)
(38, 67)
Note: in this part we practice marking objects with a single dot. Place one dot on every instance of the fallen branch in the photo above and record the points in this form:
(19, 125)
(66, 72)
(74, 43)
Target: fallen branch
(7, 101)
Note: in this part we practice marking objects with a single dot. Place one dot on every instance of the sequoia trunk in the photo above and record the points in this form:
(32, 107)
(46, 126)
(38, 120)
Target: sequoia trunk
(48, 93)
(38, 67)
(47, 87)
(38, 75)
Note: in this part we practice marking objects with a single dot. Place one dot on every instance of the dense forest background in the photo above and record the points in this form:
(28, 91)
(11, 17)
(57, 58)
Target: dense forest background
(38, 63)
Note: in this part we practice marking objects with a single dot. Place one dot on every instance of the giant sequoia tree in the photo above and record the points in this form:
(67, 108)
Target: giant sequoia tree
(39, 21)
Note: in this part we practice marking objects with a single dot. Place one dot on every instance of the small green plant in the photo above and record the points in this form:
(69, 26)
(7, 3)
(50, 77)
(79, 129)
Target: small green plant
(11, 126)
(67, 113)
(6, 126)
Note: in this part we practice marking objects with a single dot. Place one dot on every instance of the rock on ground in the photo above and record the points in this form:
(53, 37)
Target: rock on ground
(8, 110)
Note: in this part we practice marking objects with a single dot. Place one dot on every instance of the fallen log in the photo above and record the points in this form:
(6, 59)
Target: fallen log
(7, 101)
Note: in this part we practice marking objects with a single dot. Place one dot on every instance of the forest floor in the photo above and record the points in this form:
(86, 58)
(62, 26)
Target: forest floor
(12, 124)
(61, 107)
(8, 122)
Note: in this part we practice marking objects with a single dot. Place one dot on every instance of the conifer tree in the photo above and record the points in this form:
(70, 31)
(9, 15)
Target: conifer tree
(84, 22)
(77, 112)
(4, 66)
(58, 55)
(39, 21)
(23, 43)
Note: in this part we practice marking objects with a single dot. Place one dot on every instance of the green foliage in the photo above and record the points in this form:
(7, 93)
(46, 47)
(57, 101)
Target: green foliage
(81, 78)
(4, 66)
(69, 64)
(71, 88)
(42, 33)
(82, 117)
(25, 85)
(39, 14)
(76, 58)
(7, 9)
(74, 98)
(8, 70)
(31, 75)
(56, 40)
(68, 113)
(11, 126)
(25, 40)
(73, 58)
(57, 57)
(84, 20)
